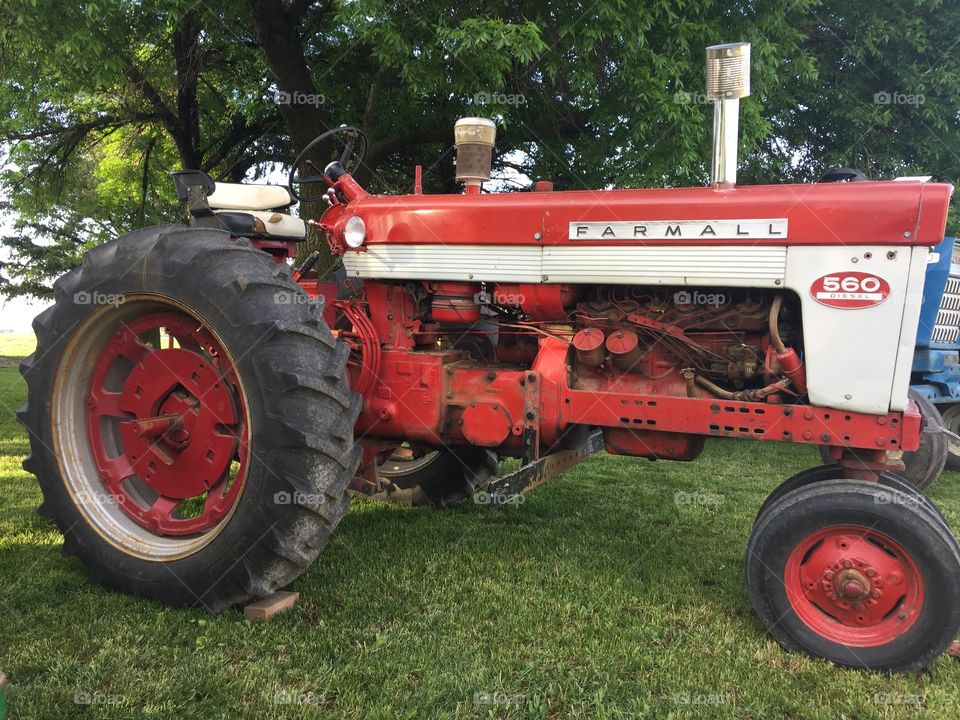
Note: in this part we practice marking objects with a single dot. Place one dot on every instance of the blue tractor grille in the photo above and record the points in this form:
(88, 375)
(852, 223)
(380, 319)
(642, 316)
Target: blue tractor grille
(946, 328)
(940, 313)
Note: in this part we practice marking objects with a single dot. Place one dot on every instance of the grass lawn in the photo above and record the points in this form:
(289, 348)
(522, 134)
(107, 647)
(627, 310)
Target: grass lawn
(599, 596)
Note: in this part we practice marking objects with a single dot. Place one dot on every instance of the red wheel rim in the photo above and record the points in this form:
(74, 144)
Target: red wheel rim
(167, 424)
(854, 585)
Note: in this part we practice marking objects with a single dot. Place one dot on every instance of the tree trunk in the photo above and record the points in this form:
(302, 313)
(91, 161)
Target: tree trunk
(278, 31)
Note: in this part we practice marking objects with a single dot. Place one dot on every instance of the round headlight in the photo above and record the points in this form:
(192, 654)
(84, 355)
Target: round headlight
(355, 232)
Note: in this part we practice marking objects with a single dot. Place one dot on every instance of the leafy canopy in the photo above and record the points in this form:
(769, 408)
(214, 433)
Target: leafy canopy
(99, 100)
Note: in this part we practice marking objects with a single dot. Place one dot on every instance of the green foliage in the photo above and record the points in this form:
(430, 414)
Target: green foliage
(877, 91)
(99, 99)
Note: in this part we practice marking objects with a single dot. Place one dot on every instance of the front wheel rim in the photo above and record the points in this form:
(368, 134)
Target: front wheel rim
(854, 585)
(152, 438)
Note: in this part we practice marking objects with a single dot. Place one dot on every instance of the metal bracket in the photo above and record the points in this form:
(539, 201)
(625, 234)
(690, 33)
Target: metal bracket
(531, 418)
(534, 474)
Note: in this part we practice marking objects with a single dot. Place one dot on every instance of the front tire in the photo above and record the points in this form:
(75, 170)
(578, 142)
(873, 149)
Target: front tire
(856, 573)
(190, 421)
(835, 472)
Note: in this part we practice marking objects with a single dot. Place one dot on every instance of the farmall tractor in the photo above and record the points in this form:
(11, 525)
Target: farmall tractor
(199, 417)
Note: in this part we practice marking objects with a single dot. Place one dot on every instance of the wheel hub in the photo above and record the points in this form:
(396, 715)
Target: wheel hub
(853, 585)
(178, 383)
(167, 424)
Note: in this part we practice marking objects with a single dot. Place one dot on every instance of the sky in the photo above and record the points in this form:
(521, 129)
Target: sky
(17, 314)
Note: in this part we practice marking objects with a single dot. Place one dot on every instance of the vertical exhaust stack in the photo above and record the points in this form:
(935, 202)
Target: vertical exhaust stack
(728, 80)
(474, 138)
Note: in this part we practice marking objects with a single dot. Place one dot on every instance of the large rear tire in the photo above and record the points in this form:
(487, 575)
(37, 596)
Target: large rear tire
(190, 422)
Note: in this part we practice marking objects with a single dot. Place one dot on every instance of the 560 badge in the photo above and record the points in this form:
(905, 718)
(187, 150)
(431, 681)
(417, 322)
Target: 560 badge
(850, 290)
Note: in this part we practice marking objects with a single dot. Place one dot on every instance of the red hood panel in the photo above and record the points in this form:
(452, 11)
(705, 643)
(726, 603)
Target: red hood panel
(875, 213)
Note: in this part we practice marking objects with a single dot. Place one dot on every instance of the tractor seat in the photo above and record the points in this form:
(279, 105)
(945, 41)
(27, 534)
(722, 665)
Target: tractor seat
(236, 196)
(196, 187)
(255, 223)
(244, 210)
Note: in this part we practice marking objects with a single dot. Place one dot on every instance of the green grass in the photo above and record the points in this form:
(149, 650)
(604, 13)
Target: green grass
(597, 597)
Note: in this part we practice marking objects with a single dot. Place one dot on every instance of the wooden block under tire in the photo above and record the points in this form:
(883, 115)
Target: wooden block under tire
(266, 608)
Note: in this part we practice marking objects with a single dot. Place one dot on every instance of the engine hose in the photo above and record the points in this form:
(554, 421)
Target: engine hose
(745, 395)
(370, 357)
(774, 327)
(789, 360)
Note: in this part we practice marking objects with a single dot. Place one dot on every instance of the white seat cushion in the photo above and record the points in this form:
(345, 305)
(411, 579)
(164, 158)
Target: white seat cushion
(279, 225)
(236, 196)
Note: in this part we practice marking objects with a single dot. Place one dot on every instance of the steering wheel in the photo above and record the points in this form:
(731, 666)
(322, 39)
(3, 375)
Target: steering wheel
(353, 134)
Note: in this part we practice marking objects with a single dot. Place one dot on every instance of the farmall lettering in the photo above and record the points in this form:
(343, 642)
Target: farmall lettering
(747, 229)
(850, 290)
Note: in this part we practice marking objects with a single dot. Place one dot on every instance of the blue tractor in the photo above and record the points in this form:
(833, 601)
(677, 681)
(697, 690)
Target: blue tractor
(936, 363)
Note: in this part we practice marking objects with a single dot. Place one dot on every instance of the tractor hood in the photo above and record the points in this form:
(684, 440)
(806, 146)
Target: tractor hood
(875, 213)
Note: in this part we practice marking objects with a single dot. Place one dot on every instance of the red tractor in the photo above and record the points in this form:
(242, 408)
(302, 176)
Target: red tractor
(200, 413)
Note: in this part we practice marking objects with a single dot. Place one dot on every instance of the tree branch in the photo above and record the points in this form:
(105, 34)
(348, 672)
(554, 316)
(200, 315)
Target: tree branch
(240, 135)
(143, 86)
(145, 179)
